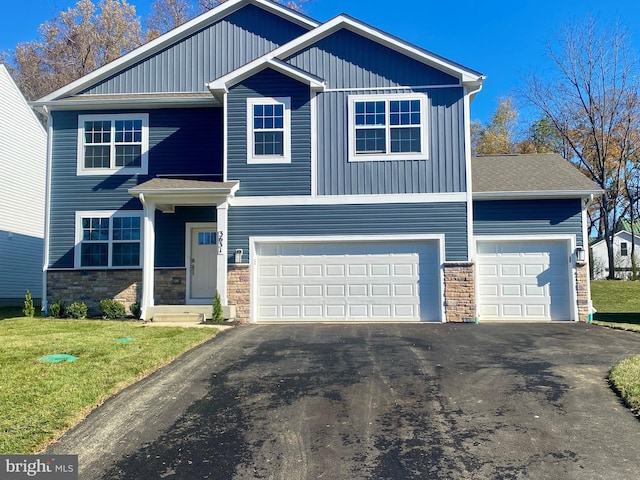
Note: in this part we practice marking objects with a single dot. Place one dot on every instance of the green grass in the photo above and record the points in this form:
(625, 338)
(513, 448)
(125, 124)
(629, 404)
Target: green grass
(625, 379)
(39, 401)
(618, 305)
(616, 296)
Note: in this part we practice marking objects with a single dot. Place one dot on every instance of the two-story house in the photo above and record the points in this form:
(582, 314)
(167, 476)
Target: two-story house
(307, 172)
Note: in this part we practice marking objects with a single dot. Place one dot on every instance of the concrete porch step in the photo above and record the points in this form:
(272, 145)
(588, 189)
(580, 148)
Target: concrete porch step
(187, 313)
(178, 317)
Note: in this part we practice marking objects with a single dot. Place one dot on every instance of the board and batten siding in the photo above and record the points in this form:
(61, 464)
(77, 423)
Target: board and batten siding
(529, 217)
(345, 59)
(269, 179)
(351, 65)
(201, 57)
(323, 220)
(180, 142)
(23, 153)
(444, 170)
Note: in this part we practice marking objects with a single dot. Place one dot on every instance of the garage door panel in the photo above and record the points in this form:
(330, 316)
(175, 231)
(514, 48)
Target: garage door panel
(523, 280)
(348, 280)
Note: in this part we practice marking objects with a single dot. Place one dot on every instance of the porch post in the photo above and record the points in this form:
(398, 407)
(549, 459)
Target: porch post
(221, 271)
(148, 252)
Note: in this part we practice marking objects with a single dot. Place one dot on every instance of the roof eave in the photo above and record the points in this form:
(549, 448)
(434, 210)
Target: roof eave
(535, 194)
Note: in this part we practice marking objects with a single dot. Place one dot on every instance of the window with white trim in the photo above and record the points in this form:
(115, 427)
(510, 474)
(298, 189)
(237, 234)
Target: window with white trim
(387, 127)
(113, 144)
(107, 239)
(268, 130)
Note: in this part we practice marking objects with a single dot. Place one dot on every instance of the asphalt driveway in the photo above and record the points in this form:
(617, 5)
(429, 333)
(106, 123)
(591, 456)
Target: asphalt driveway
(374, 402)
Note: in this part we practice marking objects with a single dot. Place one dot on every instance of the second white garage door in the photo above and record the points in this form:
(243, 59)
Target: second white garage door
(523, 280)
(349, 281)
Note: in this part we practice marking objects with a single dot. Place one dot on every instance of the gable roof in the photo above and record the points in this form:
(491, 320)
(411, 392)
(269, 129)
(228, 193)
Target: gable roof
(528, 176)
(467, 76)
(172, 37)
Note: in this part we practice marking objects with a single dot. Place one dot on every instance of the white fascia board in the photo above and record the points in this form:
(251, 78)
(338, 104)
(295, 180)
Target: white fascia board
(469, 76)
(535, 194)
(348, 199)
(221, 85)
(107, 103)
(172, 36)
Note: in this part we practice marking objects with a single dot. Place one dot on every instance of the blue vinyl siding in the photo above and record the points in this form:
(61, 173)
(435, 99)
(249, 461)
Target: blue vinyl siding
(444, 171)
(528, 217)
(171, 231)
(381, 219)
(275, 179)
(216, 50)
(348, 60)
(180, 142)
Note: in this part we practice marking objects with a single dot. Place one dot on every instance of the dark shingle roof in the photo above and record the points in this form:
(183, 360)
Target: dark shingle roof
(529, 174)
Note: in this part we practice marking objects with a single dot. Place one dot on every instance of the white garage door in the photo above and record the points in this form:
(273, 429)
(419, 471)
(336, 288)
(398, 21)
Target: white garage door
(354, 280)
(523, 280)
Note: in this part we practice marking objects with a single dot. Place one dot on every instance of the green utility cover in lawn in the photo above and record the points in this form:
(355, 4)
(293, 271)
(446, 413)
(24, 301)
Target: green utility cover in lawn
(58, 357)
(126, 340)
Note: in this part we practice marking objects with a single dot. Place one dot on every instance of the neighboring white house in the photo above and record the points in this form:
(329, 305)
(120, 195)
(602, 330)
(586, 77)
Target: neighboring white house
(23, 152)
(622, 241)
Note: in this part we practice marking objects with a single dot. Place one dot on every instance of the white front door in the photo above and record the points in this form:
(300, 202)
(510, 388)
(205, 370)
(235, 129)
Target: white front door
(202, 255)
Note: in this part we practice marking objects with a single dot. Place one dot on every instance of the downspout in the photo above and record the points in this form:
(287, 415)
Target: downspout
(470, 93)
(47, 205)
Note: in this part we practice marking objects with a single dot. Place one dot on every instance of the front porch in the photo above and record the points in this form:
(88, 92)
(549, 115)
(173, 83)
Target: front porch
(206, 257)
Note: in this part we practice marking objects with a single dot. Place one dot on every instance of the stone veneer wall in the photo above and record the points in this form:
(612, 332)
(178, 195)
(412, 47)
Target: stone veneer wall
(582, 291)
(91, 286)
(459, 292)
(239, 291)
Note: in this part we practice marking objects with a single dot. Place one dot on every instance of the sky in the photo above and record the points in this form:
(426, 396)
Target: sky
(502, 39)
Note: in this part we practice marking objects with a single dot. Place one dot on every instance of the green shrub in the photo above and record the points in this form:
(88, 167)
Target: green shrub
(217, 316)
(111, 309)
(135, 309)
(76, 310)
(28, 310)
(57, 309)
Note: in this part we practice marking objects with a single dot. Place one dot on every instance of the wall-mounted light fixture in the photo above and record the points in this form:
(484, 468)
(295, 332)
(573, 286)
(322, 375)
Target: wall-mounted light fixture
(581, 255)
(238, 256)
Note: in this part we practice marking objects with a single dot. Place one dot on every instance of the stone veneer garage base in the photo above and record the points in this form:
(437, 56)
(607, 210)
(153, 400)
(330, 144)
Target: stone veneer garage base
(91, 286)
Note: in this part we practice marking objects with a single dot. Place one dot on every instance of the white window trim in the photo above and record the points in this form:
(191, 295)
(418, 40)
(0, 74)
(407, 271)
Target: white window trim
(387, 97)
(142, 169)
(252, 158)
(106, 214)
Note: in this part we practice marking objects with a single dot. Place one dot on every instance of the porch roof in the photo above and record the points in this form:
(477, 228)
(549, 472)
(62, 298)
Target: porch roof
(167, 193)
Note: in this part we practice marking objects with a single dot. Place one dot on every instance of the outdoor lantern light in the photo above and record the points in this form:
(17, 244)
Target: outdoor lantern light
(238, 257)
(580, 254)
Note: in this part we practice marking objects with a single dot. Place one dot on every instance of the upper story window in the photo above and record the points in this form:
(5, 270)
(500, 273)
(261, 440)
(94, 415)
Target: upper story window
(268, 130)
(107, 239)
(113, 144)
(624, 249)
(387, 127)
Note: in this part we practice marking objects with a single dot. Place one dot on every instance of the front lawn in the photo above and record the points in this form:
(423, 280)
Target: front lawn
(618, 305)
(39, 401)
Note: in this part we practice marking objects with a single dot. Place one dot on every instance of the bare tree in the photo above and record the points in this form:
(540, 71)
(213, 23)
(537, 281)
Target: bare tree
(591, 98)
(166, 15)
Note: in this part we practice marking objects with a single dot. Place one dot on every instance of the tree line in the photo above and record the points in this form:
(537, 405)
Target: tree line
(589, 112)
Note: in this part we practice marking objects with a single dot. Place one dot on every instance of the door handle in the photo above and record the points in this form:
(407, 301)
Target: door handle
(193, 266)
